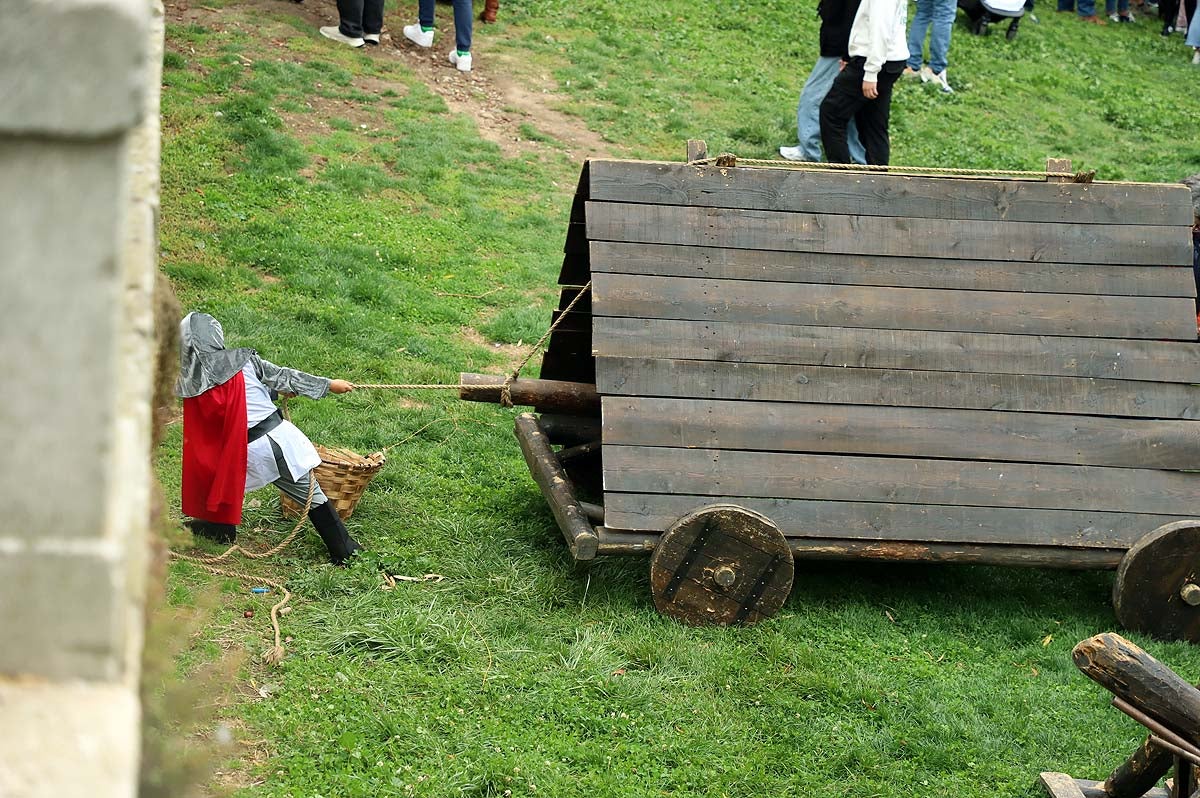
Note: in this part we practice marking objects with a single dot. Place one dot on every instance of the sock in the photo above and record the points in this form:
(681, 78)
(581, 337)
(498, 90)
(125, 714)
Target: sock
(425, 29)
(461, 53)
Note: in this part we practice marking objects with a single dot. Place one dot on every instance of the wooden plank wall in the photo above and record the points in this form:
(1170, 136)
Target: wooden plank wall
(568, 354)
(876, 357)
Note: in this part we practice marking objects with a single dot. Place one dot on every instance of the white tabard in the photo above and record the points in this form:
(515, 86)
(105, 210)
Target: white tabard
(298, 451)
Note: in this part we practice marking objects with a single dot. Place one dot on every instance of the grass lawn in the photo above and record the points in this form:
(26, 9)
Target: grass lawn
(379, 217)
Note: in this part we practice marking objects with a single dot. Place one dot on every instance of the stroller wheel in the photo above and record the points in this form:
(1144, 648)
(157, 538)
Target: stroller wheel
(1011, 33)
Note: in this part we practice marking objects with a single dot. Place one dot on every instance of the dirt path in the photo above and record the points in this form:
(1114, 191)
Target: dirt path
(498, 94)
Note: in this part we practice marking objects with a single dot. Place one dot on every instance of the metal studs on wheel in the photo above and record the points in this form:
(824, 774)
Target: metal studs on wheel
(721, 564)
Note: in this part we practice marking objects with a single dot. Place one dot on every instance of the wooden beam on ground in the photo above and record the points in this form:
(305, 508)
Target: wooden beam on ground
(1130, 673)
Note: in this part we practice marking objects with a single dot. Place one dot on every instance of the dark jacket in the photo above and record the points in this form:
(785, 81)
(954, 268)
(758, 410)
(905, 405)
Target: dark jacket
(836, 18)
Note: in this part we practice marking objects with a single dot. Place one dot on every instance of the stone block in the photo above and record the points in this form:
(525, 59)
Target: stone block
(62, 230)
(68, 741)
(73, 68)
(65, 615)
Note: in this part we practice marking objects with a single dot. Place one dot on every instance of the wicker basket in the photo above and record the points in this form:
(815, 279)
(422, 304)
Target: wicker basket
(344, 476)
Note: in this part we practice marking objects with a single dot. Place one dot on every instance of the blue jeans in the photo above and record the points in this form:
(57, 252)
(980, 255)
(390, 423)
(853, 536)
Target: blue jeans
(808, 113)
(936, 17)
(463, 20)
(1086, 8)
(1193, 34)
(1119, 6)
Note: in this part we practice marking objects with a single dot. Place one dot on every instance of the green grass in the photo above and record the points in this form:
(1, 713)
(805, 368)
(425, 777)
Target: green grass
(365, 241)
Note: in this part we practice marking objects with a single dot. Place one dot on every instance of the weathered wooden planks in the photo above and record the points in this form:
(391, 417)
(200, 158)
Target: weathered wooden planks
(918, 350)
(900, 431)
(1150, 245)
(639, 296)
(717, 263)
(888, 195)
(767, 382)
(911, 522)
(834, 477)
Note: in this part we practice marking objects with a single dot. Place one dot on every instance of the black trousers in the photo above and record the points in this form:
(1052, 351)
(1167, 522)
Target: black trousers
(845, 101)
(360, 16)
(1168, 10)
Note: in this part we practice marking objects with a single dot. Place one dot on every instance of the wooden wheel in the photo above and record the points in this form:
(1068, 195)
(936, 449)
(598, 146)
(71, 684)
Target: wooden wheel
(722, 565)
(1157, 591)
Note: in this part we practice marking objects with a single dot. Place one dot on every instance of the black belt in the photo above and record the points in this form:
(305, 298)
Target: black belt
(263, 427)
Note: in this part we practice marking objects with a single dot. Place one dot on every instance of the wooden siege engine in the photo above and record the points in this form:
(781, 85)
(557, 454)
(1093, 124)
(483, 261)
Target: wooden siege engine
(870, 365)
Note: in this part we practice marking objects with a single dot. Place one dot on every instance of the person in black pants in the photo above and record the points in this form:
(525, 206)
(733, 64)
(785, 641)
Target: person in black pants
(862, 91)
(359, 22)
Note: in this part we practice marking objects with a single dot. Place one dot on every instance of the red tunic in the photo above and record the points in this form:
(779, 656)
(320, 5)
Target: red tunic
(214, 452)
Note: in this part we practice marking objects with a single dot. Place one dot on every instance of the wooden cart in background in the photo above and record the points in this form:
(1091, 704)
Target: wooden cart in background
(776, 362)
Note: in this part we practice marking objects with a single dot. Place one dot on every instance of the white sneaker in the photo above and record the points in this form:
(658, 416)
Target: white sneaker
(421, 38)
(332, 32)
(792, 154)
(371, 38)
(1196, 58)
(936, 77)
(463, 61)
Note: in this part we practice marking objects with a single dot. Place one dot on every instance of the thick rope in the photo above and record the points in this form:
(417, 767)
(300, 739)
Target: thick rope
(506, 389)
(206, 563)
(275, 655)
(1081, 176)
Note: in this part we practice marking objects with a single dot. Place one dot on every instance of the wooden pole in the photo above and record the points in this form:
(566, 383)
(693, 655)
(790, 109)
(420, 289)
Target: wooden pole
(556, 487)
(557, 396)
(1139, 773)
(1134, 676)
(570, 430)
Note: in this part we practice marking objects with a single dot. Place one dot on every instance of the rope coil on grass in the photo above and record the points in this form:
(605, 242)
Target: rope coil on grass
(275, 655)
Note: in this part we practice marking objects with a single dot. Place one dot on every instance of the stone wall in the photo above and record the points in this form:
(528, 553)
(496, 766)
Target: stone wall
(79, 149)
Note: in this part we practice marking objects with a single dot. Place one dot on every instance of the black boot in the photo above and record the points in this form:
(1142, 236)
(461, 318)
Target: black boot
(219, 533)
(333, 532)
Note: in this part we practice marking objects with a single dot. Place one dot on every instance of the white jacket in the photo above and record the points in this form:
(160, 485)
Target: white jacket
(879, 34)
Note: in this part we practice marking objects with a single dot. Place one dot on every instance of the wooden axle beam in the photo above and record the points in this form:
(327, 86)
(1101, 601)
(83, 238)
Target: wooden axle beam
(555, 396)
(616, 541)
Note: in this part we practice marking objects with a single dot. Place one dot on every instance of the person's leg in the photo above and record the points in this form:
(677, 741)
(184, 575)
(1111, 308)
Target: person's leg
(838, 108)
(939, 34)
(872, 118)
(220, 533)
(321, 512)
(464, 19)
(858, 153)
(425, 13)
(1193, 32)
(372, 16)
(808, 112)
(1086, 8)
(916, 32)
(350, 18)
